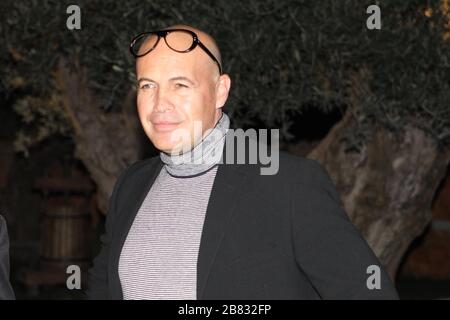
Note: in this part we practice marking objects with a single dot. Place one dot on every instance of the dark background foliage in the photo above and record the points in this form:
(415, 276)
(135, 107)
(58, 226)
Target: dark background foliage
(284, 57)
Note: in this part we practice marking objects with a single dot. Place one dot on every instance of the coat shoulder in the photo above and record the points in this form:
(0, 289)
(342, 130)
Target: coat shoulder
(139, 167)
(301, 169)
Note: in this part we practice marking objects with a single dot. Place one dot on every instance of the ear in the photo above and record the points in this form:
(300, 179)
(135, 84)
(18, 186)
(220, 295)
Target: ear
(223, 88)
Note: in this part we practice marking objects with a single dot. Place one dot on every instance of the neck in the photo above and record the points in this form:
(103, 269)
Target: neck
(203, 156)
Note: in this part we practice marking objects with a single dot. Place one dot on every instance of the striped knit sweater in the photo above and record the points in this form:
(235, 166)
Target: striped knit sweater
(159, 257)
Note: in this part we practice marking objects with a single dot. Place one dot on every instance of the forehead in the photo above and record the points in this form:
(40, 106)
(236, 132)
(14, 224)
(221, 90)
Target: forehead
(163, 61)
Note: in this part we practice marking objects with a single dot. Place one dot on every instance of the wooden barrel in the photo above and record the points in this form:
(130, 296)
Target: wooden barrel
(65, 231)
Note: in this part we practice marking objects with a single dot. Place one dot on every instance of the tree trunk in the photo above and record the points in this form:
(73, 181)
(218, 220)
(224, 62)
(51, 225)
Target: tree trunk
(387, 189)
(105, 142)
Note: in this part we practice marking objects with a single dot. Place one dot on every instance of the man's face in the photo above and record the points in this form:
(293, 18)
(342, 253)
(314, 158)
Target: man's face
(176, 93)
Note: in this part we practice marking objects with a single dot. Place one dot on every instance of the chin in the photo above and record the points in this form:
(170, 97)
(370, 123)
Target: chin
(165, 145)
(162, 146)
(164, 141)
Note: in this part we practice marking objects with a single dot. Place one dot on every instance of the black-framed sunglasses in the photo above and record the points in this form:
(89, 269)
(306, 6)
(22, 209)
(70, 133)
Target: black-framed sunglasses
(179, 40)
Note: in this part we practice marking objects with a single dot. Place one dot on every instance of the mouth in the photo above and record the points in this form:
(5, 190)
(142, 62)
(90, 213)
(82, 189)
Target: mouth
(165, 126)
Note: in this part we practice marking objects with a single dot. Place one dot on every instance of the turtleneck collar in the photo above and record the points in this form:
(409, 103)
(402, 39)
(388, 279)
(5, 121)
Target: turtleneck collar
(203, 156)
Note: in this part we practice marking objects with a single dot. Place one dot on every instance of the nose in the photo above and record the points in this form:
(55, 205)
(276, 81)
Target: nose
(163, 102)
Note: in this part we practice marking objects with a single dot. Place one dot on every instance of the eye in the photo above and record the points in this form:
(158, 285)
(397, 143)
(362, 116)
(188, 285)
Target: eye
(181, 85)
(146, 86)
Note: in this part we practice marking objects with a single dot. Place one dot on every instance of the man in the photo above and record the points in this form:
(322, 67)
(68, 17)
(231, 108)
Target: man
(6, 292)
(184, 227)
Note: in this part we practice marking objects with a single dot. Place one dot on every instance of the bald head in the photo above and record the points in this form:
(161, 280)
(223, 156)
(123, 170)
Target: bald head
(204, 37)
(206, 50)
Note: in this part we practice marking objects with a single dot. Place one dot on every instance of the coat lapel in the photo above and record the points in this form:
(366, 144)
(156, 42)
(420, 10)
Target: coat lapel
(221, 206)
(142, 186)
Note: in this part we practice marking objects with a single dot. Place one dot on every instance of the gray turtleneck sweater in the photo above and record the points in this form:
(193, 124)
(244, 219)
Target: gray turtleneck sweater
(159, 257)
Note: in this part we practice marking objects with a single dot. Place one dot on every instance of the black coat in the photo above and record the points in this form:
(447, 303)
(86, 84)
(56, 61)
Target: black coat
(283, 236)
(6, 292)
